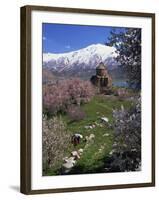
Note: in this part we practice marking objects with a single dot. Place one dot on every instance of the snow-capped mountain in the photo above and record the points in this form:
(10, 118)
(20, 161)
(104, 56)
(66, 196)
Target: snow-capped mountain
(82, 59)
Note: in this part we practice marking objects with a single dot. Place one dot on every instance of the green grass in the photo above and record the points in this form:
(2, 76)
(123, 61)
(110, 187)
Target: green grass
(91, 159)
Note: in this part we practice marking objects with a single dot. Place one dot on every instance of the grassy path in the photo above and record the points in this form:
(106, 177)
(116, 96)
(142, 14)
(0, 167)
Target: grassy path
(102, 144)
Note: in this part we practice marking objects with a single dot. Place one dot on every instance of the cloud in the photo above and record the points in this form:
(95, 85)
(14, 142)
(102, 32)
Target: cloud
(44, 38)
(67, 46)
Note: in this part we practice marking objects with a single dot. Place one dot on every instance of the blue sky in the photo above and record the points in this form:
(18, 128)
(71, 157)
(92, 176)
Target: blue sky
(60, 38)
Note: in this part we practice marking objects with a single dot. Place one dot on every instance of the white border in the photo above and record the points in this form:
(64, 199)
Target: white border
(52, 182)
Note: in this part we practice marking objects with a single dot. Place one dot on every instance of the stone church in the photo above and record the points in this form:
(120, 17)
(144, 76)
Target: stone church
(102, 79)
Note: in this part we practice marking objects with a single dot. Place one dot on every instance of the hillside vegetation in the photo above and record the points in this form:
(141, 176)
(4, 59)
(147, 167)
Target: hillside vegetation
(96, 150)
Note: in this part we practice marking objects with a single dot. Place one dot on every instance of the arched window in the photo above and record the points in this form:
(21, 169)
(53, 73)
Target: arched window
(103, 82)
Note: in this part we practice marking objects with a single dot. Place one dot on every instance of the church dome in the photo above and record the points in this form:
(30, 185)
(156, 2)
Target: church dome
(101, 66)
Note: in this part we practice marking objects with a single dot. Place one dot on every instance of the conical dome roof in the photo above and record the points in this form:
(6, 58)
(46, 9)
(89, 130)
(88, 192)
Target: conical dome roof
(101, 66)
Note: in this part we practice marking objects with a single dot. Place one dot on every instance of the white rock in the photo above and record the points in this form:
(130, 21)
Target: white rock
(105, 119)
(115, 144)
(86, 138)
(134, 150)
(101, 148)
(97, 124)
(80, 151)
(78, 135)
(65, 159)
(106, 134)
(71, 159)
(68, 165)
(75, 154)
(92, 136)
(111, 152)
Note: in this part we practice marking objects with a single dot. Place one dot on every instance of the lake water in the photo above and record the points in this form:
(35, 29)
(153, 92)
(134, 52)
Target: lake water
(120, 83)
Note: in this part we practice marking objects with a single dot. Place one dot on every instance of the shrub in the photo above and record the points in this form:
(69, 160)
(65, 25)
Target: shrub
(75, 113)
(126, 154)
(55, 98)
(55, 142)
(58, 97)
(127, 127)
(80, 91)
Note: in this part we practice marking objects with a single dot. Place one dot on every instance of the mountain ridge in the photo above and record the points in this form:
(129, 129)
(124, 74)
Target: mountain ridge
(82, 59)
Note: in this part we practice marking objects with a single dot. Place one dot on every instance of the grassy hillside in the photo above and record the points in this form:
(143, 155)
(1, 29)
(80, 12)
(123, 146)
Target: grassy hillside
(101, 145)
